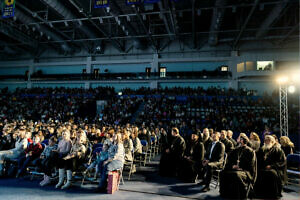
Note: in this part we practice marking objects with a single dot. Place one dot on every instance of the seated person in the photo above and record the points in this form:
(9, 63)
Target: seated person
(213, 160)
(6, 140)
(32, 152)
(239, 172)
(115, 161)
(286, 145)
(20, 146)
(128, 146)
(271, 163)
(45, 163)
(170, 161)
(192, 159)
(72, 161)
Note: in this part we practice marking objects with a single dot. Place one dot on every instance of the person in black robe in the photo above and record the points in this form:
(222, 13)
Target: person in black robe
(192, 159)
(171, 159)
(213, 160)
(239, 171)
(271, 163)
(228, 144)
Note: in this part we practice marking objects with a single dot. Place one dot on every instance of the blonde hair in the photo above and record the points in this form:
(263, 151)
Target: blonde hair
(285, 141)
(254, 136)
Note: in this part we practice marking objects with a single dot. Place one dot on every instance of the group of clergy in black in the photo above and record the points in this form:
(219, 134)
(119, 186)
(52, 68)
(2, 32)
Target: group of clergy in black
(244, 171)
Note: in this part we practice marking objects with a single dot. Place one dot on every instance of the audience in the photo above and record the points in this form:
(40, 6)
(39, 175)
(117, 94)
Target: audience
(126, 120)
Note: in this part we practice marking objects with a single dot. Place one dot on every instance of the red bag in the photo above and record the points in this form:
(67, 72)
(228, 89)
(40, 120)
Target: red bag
(113, 182)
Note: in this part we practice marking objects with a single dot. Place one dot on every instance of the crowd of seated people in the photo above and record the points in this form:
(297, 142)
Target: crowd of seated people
(42, 127)
(242, 170)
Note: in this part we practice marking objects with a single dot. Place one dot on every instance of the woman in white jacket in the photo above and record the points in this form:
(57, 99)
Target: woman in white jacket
(20, 146)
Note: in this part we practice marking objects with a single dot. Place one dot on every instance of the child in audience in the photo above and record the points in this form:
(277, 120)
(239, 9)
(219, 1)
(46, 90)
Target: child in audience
(32, 152)
(45, 162)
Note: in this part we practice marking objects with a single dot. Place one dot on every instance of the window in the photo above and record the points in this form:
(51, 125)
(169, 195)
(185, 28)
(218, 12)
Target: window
(250, 66)
(240, 67)
(162, 72)
(224, 68)
(265, 65)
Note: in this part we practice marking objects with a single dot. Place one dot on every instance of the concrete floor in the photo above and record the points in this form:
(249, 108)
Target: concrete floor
(145, 184)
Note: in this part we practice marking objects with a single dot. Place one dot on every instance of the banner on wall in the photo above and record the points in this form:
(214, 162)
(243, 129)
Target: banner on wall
(132, 2)
(8, 8)
(151, 1)
(101, 3)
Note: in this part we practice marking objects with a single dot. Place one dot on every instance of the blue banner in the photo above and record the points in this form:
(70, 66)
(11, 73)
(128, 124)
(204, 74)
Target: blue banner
(151, 1)
(8, 8)
(132, 2)
(101, 3)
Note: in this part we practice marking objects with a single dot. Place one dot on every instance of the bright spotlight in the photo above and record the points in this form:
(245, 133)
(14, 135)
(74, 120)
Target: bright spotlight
(120, 93)
(296, 77)
(282, 79)
(292, 89)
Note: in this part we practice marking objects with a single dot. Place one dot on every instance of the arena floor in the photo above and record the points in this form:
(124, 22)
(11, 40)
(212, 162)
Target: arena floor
(145, 184)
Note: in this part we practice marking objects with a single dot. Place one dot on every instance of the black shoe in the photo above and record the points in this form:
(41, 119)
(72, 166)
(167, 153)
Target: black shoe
(100, 190)
(205, 189)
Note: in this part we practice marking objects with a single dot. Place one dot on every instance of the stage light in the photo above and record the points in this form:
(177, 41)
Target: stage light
(282, 79)
(291, 89)
(120, 93)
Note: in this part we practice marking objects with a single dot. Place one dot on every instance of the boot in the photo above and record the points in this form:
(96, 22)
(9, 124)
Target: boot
(61, 175)
(46, 181)
(44, 178)
(69, 179)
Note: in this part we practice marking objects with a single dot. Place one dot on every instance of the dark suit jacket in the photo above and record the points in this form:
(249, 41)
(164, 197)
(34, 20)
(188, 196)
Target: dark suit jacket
(217, 155)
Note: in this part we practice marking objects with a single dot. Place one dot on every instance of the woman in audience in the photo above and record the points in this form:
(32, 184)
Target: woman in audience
(71, 162)
(20, 146)
(115, 161)
(128, 146)
(286, 145)
(254, 141)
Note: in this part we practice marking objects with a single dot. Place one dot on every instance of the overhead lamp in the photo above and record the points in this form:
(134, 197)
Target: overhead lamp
(100, 20)
(144, 17)
(123, 28)
(79, 22)
(66, 23)
(291, 89)
(128, 18)
(119, 22)
(51, 25)
(48, 37)
(107, 9)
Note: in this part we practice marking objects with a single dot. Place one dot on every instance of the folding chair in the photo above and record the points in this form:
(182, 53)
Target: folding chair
(216, 173)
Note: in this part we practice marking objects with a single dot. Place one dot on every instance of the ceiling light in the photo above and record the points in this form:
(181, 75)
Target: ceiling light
(66, 23)
(100, 20)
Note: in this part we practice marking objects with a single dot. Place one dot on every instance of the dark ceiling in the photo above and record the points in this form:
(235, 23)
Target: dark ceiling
(72, 25)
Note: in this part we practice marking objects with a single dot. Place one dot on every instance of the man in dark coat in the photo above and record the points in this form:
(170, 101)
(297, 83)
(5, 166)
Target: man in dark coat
(192, 159)
(239, 172)
(271, 170)
(228, 144)
(172, 157)
(205, 138)
(229, 137)
(214, 159)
